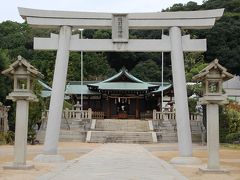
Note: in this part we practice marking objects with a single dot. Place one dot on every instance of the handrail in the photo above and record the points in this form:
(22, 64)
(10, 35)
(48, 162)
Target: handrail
(72, 114)
(172, 115)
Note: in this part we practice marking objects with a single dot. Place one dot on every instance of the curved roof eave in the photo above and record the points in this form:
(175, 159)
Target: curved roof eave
(160, 89)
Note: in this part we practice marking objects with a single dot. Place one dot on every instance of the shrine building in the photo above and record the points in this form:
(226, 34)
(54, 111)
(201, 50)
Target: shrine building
(121, 96)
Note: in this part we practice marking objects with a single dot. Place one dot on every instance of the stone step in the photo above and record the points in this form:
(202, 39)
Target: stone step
(65, 135)
(122, 125)
(121, 137)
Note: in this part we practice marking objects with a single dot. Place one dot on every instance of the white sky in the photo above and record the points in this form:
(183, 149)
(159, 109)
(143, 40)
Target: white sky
(8, 8)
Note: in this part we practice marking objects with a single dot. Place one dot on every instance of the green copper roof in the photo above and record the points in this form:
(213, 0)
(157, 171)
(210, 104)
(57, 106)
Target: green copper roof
(45, 86)
(123, 72)
(78, 89)
(123, 81)
(162, 88)
(45, 94)
(125, 86)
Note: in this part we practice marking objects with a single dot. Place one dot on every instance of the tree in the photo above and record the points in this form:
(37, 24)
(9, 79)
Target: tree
(147, 71)
(223, 39)
(229, 5)
(4, 81)
(194, 63)
(224, 44)
(35, 112)
(96, 66)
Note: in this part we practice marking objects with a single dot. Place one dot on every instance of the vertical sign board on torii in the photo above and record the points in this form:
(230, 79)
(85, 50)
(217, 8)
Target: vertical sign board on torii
(120, 42)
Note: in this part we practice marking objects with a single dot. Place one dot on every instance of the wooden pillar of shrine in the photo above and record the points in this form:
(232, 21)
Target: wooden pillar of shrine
(109, 107)
(137, 108)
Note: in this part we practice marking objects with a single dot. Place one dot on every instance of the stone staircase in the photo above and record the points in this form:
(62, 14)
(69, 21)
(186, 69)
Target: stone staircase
(65, 135)
(71, 130)
(121, 131)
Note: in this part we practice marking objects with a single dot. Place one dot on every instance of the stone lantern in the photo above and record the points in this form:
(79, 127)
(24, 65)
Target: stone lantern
(212, 78)
(23, 75)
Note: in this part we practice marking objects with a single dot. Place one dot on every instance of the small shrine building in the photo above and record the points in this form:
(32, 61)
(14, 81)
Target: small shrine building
(121, 96)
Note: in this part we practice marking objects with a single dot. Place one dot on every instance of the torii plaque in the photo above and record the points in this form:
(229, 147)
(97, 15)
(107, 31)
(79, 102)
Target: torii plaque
(120, 42)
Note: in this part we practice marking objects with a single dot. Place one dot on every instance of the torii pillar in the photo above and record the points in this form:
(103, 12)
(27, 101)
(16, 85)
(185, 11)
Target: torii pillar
(57, 98)
(180, 92)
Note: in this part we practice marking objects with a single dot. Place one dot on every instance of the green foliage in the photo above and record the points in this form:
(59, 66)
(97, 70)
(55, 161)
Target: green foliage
(32, 135)
(223, 39)
(192, 103)
(35, 112)
(45, 61)
(194, 89)
(102, 34)
(233, 137)
(229, 122)
(74, 66)
(190, 6)
(96, 67)
(229, 5)
(194, 63)
(4, 81)
(234, 120)
(147, 71)
(6, 137)
(224, 44)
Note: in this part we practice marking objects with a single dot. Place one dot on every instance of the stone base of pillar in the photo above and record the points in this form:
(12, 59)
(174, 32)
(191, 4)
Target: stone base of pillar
(14, 166)
(185, 160)
(217, 171)
(45, 158)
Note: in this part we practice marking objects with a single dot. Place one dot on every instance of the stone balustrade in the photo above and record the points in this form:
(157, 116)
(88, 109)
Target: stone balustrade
(77, 114)
(72, 114)
(172, 116)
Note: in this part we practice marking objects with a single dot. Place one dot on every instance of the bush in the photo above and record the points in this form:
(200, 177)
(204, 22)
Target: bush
(6, 137)
(229, 122)
(234, 121)
(233, 137)
(192, 103)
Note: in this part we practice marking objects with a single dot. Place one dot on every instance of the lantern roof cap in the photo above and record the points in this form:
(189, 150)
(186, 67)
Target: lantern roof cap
(213, 65)
(22, 62)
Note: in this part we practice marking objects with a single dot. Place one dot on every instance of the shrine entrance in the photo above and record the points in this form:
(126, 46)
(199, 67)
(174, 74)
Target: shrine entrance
(120, 23)
(124, 108)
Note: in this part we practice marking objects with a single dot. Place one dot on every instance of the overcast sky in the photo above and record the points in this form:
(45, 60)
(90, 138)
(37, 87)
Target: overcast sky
(8, 8)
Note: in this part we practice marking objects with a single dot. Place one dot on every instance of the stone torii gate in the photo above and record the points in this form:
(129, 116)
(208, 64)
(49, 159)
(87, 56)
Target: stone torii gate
(120, 24)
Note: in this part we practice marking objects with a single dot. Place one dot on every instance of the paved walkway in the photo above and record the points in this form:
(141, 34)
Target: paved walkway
(116, 162)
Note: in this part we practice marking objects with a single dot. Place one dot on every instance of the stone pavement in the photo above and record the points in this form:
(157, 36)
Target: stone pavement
(116, 162)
